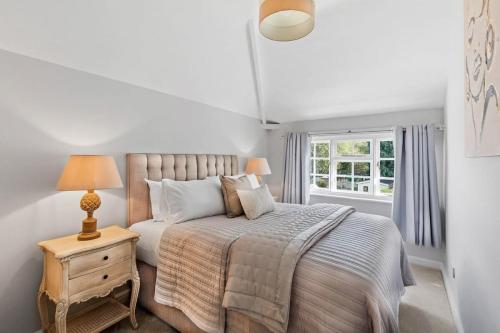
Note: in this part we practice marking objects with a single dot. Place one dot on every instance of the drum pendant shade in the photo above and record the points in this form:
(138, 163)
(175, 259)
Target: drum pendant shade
(286, 20)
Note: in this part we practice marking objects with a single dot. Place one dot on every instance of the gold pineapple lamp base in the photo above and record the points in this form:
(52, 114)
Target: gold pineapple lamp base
(89, 203)
(89, 172)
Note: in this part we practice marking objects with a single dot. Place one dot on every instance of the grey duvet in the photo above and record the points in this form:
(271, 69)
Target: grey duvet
(320, 268)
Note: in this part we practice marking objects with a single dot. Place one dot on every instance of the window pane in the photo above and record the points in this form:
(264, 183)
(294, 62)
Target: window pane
(386, 168)
(386, 186)
(311, 180)
(323, 181)
(362, 168)
(362, 184)
(344, 148)
(386, 149)
(353, 148)
(344, 168)
(362, 148)
(322, 150)
(344, 183)
(312, 150)
(311, 166)
(322, 167)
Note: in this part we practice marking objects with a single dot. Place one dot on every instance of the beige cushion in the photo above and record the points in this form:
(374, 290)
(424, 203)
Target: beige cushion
(231, 200)
(252, 178)
(256, 202)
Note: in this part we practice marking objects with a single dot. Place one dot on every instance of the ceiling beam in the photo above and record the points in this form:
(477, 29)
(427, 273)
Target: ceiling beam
(257, 74)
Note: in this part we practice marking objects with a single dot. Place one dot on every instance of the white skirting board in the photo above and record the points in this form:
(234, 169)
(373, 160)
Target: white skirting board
(447, 285)
(426, 262)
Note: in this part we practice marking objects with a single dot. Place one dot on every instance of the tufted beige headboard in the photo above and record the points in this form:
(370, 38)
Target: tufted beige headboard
(169, 166)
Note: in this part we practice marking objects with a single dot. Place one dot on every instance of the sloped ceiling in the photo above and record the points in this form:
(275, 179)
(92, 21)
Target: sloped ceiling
(363, 56)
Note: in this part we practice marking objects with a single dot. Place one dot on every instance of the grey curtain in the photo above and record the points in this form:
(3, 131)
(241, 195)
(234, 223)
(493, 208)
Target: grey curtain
(416, 208)
(296, 175)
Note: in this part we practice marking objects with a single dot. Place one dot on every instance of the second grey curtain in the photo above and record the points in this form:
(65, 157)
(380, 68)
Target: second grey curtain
(416, 208)
(296, 175)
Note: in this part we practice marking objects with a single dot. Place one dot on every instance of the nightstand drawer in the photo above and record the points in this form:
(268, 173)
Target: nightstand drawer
(90, 262)
(100, 279)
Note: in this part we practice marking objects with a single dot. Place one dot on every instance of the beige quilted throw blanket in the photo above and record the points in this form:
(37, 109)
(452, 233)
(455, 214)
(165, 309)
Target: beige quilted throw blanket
(261, 256)
(262, 263)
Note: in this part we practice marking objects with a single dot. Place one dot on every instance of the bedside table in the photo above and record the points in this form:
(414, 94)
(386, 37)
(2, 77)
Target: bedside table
(76, 271)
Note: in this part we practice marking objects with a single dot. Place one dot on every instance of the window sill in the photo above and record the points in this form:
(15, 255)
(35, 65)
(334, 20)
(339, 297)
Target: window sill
(383, 200)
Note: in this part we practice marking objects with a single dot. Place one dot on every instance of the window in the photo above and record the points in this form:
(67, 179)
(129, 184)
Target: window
(362, 165)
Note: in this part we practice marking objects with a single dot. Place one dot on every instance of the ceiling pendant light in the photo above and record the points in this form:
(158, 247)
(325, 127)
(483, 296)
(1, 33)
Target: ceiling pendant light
(286, 20)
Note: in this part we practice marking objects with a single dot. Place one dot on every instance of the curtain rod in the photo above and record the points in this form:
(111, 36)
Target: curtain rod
(368, 130)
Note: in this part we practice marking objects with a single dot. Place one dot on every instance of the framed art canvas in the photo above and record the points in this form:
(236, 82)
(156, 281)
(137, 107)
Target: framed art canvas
(482, 77)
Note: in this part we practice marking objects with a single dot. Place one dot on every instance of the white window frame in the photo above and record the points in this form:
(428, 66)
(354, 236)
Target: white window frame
(314, 159)
(373, 158)
(350, 159)
(380, 159)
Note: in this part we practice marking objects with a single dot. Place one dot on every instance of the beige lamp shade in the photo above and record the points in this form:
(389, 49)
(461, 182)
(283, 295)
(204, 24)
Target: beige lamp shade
(258, 166)
(89, 172)
(286, 20)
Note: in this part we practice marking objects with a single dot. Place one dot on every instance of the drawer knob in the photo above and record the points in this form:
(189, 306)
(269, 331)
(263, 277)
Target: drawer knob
(105, 258)
(105, 277)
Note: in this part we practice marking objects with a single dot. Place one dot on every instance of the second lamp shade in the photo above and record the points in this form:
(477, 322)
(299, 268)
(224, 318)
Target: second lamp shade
(258, 166)
(286, 20)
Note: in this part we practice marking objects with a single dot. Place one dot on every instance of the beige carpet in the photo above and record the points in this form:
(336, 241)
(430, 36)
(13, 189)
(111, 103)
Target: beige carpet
(424, 309)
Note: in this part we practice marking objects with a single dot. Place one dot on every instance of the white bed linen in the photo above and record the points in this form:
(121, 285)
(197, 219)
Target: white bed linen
(149, 242)
(148, 245)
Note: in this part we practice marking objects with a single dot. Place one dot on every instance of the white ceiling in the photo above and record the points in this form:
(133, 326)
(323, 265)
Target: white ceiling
(363, 56)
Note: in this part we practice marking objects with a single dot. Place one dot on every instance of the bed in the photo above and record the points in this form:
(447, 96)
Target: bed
(346, 276)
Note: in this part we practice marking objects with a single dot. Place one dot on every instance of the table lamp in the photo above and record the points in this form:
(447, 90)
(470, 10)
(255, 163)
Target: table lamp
(89, 172)
(258, 166)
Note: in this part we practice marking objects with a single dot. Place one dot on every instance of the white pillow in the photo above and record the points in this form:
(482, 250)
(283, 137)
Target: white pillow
(193, 199)
(256, 202)
(158, 208)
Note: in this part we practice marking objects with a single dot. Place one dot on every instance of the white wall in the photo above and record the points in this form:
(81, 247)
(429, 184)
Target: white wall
(473, 209)
(387, 120)
(48, 112)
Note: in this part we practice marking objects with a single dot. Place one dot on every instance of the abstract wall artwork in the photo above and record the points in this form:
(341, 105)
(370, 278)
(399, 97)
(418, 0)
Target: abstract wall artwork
(482, 77)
